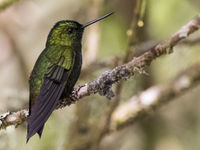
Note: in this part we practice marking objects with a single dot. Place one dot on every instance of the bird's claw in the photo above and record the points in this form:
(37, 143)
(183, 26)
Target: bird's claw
(74, 95)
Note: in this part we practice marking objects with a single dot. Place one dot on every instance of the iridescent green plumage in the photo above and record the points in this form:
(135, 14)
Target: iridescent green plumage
(55, 72)
(59, 44)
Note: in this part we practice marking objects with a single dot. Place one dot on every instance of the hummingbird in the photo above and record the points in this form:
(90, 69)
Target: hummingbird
(55, 72)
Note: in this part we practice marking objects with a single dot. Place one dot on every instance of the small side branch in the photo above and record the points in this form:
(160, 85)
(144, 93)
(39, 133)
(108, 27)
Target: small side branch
(154, 97)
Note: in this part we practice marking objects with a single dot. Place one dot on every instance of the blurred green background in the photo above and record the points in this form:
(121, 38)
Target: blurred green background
(24, 27)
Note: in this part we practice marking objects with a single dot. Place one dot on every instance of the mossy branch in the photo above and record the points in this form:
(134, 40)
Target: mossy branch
(103, 84)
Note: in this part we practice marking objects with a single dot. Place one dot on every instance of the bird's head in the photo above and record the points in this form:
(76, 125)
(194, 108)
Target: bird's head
(68, 32)
(65, 32)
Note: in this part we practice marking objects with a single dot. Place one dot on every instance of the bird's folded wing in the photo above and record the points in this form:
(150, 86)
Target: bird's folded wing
(51, 90)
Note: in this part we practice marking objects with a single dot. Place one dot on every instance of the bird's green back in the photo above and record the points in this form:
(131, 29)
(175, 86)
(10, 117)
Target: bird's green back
(50, 56)
(62, 44)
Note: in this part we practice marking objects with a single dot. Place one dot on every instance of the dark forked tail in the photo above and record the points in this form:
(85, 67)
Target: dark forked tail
(44, 105)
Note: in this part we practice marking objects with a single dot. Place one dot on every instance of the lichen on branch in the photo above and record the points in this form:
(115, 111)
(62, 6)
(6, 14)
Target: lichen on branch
(103, 84)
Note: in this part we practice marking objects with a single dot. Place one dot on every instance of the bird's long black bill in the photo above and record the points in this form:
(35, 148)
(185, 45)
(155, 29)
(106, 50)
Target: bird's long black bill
(93, 21)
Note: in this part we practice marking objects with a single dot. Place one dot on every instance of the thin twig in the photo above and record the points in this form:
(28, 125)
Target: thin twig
(77, 139)
(132, 34)
(154, 97)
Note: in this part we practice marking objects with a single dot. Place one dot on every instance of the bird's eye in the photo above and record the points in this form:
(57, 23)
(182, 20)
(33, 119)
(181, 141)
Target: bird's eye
(69, 30)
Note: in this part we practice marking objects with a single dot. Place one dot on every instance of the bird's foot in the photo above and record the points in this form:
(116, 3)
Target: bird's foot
(74, 96)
